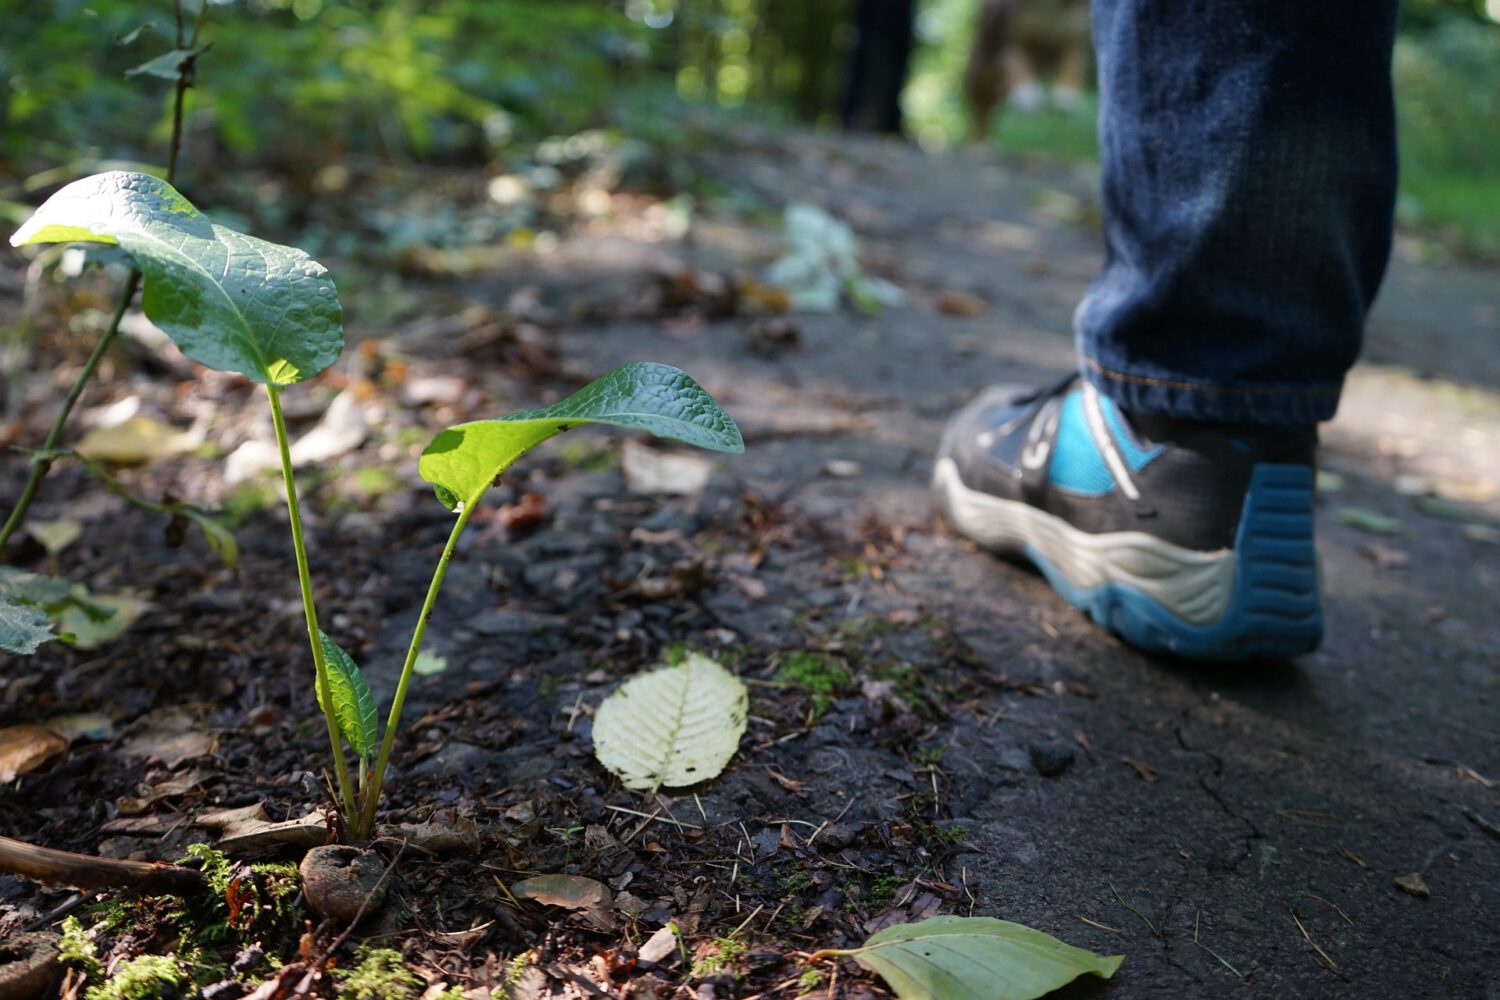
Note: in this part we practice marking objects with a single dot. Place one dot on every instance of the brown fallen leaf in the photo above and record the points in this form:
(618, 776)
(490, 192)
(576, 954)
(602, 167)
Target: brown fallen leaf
(27, 747)
(250, 828)
(170, 735)
(527, 513)
(1146, 771)
(954, 303)
(1413, 884)
(1385, 556)
(1082, 739)
(591, 899)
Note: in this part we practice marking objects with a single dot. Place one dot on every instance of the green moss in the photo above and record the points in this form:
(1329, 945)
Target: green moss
(721, 956)
(77, 949)
(145, 977)
(380, 975)
(821, 675)
(882, 891)
(795, 881)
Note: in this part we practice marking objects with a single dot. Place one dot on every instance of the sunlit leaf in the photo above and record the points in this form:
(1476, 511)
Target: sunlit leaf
(90, 620)
(230, 301)
(1367, 520)
(975, 958)
(672, 727)
(353, 703)
(166, 66)
(57, 535)
(462, 462)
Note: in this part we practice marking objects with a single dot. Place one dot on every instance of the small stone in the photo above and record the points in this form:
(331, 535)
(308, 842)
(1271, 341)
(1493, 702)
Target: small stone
(1050, 759)
(658, 946)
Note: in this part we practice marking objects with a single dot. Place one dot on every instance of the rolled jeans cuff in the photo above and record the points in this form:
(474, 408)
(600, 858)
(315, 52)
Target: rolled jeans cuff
(1184, 399)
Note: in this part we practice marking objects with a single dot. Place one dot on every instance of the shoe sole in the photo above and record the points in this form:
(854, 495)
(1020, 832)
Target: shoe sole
(1258, 600)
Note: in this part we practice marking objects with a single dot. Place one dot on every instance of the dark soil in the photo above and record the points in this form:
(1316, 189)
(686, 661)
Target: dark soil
(932, 730)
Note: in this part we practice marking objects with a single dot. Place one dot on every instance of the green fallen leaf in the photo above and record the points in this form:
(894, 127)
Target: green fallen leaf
(1368, 520)
(973, 958)
(1449, 510)
(674, 726)
(462, 461)
(353, 702)
(229, 301)
(90, 620)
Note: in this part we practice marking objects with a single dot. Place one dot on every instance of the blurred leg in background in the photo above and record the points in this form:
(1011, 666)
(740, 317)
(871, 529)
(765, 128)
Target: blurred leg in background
(878, 65)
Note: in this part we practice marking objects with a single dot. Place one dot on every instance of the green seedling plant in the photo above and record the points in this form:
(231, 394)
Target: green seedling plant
(239, 304)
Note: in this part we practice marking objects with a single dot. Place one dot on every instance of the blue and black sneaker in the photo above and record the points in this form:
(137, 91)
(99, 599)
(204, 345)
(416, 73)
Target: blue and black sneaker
(1190, 538)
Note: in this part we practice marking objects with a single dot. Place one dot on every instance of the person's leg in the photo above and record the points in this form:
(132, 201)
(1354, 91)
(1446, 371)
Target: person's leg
(1249, 177)
(1249, 160)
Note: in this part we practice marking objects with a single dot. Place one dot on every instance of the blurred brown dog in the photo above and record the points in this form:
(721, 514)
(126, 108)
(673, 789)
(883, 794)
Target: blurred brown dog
(1017, 45)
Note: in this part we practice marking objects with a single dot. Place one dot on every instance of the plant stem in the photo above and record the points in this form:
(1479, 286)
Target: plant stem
(372, 791)
(42, 466)
(39, 469)
(304, 579)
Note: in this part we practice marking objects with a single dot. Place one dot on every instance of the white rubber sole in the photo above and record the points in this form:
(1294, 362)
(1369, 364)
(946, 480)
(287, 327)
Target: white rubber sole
(1196, 587)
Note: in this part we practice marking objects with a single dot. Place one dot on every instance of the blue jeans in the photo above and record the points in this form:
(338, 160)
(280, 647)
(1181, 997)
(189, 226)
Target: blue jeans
(1249, 161)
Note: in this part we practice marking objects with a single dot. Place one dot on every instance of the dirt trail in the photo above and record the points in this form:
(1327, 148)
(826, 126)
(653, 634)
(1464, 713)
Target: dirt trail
(1224, 805)
(1231, 831)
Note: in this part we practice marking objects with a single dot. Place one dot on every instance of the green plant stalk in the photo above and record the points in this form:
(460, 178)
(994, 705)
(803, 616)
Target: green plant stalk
(304, 579)
(372, 790)
(42, 466)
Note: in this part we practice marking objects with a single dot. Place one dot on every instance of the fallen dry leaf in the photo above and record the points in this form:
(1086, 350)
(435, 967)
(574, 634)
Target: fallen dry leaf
(1349, 855)
(1413, 884)
(170, 735)
(27, 747)
(952, 303)
(1146, 771)
(249, 828)
(589, 898)
(138, 440)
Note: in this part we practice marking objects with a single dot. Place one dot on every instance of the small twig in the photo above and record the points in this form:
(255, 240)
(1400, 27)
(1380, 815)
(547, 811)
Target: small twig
(1102, 927)
(747, 920)
(656, 817)
(1323, 957)
(1332, 906)
(1121, 900)
(1222, 961)
(84, 871)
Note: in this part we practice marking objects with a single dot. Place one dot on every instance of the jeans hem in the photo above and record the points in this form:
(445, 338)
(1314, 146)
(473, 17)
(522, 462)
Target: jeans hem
(1183, 399)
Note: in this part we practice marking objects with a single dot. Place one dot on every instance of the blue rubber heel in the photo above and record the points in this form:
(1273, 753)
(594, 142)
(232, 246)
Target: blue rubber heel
(1275, 611)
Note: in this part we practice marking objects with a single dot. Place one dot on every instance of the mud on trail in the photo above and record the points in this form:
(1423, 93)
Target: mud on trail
(932, 730)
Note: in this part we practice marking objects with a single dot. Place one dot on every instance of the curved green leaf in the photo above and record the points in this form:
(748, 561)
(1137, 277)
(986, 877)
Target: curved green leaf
(353, 703)
(229, 301)
(975, 958)
(462, 461)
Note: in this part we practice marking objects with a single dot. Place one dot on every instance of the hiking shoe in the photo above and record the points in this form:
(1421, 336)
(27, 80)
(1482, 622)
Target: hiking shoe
(1189, 538)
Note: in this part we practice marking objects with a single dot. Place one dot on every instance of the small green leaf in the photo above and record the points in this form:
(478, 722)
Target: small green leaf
(91, 620)
(23, 627)
(426, 664)
(462, 462)
(229, 301)
(353, 703)
(1365, 519)
(975, 958)
(166, 66)
(219, 538)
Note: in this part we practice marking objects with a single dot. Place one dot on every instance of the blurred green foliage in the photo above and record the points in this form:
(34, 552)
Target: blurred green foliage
(296, 85)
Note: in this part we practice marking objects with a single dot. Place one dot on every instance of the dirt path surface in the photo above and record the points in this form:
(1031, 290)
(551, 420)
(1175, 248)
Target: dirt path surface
(980, 748)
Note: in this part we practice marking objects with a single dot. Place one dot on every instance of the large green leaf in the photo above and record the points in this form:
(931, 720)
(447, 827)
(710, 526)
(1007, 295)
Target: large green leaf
(230, 301)
(975, 958)
(353, 703)
(22, 627)
(463, 461)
